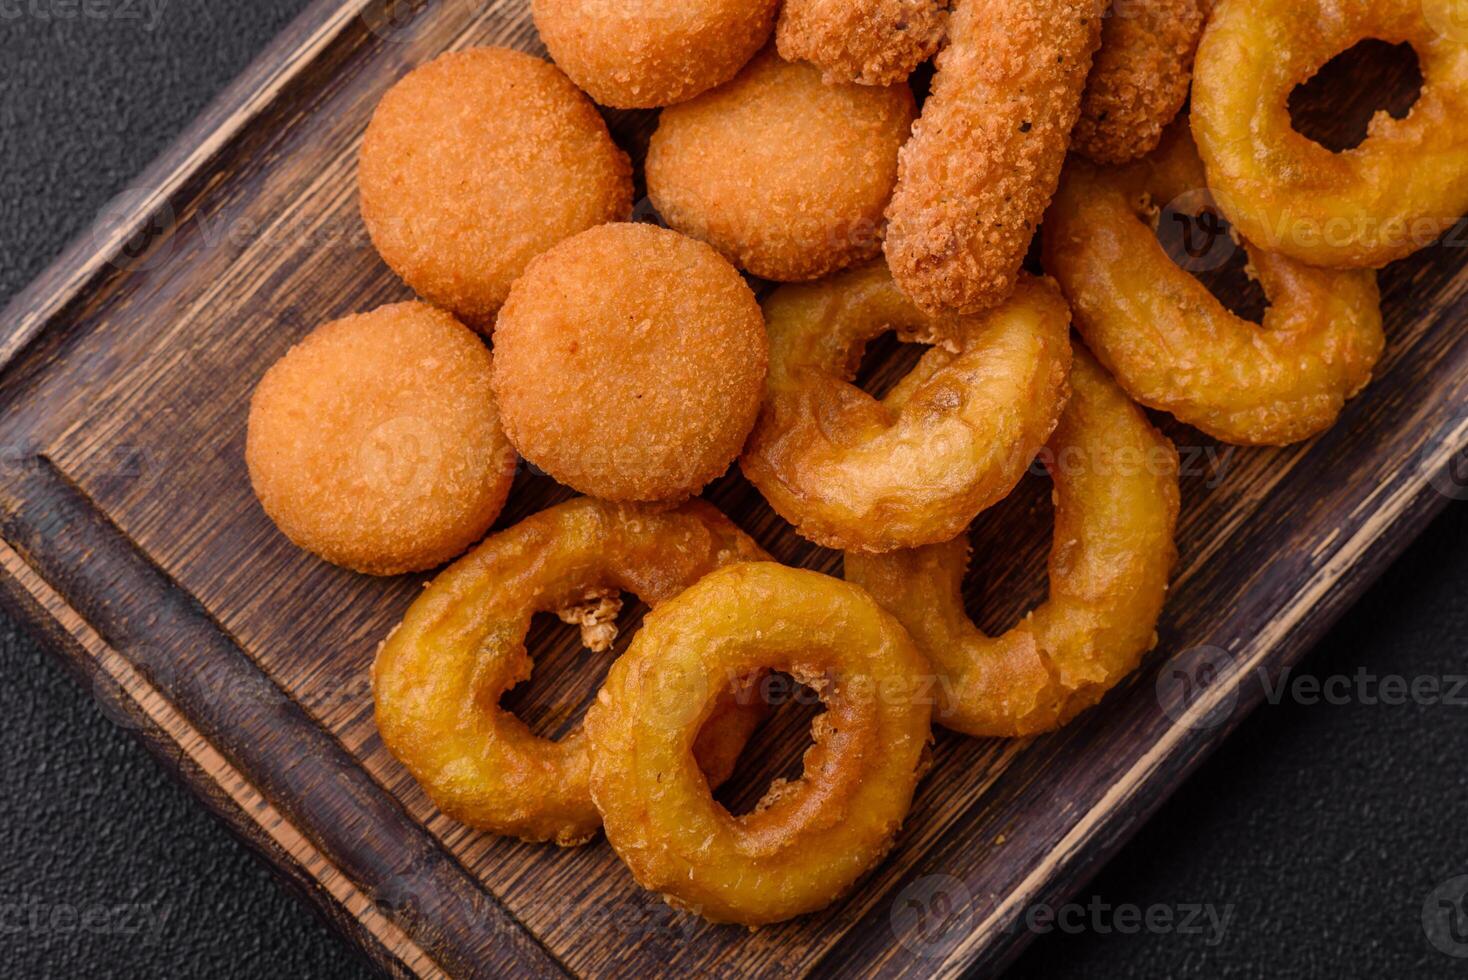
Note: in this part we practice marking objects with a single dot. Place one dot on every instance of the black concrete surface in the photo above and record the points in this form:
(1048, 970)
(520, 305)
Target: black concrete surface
(1317, 835)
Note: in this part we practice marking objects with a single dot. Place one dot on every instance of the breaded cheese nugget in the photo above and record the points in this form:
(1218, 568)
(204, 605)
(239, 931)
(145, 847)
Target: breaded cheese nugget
(1140, 79)
(375, 442)
(641, 54)
(629, 363)
(870, 42)
(477, 162)
(786, 176)
(984, 160)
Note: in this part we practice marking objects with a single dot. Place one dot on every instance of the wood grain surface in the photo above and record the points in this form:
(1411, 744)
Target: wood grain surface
(132, 542)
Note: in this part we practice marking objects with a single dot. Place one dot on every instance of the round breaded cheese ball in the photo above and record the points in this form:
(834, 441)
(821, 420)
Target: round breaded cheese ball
(641, 54)
(375, 442)
(786, 176)
(477, 162)
(629, 364)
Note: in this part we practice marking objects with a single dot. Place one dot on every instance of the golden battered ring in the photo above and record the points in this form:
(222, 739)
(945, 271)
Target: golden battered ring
(952, 438)
(438, 678)
(1176, 348)
(1116, 505)
(1392, 195)
(809, 840)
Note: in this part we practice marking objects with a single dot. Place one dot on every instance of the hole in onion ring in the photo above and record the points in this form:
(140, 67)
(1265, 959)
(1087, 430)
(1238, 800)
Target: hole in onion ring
(1378, 75)
(1002, 584)
(1202, 244)
(566, 675)
(778, 746)
(887, 360)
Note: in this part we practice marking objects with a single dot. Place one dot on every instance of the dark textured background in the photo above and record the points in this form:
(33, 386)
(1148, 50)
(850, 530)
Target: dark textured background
(1324, 827)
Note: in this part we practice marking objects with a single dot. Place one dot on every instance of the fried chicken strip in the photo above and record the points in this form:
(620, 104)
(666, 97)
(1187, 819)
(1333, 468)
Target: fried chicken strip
(984, 159)
(871, 42)
(1140, 80)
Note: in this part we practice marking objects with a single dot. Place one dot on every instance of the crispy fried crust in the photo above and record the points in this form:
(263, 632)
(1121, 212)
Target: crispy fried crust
(375, 442)
(641, 54)
(869, 42)
(629, 363)
(810, 839)
(438, 678)
(984, 159)
(1381, 201)
(477, 162)
(952, 438)
(1116, 506)
(1140, 79)
(787, 177)
(1171, 344)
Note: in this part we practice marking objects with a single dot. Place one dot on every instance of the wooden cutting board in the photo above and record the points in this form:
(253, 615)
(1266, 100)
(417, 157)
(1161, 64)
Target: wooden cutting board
(132, 543)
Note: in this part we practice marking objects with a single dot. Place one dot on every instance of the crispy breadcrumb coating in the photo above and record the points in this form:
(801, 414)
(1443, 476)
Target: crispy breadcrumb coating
(870, 42)
(629, 363)
(1140, 79)
(477, 162)
(985, 157)
(641, 54)
(786, 176)
(375, 442)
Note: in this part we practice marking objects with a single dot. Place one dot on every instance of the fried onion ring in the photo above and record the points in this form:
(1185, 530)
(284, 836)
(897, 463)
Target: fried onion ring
(438, 678)
(984, 158)
(952, 438)
(1140, 79)
(870, 42)
(1116, 506)
(1176, 348)
(809, 840)
(1392, 195)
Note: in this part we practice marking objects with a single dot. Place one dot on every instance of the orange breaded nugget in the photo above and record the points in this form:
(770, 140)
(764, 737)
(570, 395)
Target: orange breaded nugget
(870, 42)
(985, 158)
(477, 162)
(375, 442)
(640, 54)
(786, 176)
(629, 363)
(1140, 79)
